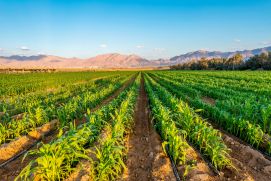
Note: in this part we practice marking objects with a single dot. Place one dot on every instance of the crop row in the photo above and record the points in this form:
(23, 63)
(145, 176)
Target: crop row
(21, 84)
(57, 160)
(18, 103)
(238, 104)
(242, 128)
(65, 113)
(198, 131)
(108, 162)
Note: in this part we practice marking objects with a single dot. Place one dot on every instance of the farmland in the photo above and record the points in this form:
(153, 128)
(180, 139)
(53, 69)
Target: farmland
(131, 125)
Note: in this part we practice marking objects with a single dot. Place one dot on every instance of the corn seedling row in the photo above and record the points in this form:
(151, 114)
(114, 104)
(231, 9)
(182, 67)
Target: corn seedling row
(199, 132)
(65, 113)
(57, 160)
(109, 162)
(251, 133)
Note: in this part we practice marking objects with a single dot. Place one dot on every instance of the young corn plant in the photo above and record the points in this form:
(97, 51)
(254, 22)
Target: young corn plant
(198, 130)
(57, 159)
(174, 143)
(37, 116)
(109, 162)
(244, 129)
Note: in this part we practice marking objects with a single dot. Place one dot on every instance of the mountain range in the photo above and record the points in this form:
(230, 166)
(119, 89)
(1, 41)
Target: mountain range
(115, 60)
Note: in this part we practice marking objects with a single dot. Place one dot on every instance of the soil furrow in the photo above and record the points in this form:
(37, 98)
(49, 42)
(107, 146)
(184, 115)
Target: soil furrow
(250, 164)
(146, 159)
(248, 160)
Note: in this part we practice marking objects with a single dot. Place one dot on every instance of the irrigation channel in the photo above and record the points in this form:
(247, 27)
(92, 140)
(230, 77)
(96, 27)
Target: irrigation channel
(146, 159)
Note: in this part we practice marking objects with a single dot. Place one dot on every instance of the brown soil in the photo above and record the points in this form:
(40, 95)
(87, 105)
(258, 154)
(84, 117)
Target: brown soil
(18, 116)
(249, 164)
(248, 160)
(13, 148)
(209, 100)
(146, 159)
(200, 171)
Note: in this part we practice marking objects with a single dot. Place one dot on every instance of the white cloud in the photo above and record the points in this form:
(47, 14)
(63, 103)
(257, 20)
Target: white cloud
(1, 49)
(140, 46)
(204, 49)
(159, 49)
(265, 42)
(103, 45)
(24, 48)
(237, 40)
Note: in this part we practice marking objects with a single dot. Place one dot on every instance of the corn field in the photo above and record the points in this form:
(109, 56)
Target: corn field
(131, 125)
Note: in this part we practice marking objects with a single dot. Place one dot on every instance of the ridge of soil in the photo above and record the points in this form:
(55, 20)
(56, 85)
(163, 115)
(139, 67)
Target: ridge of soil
(145, 158)
(10, 171)
(200, 171)
(248, 160)
(250, 164)
(13, 148)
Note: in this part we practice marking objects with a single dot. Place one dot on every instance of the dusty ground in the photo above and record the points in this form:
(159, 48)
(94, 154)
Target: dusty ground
(249, 164)
(200, 171)
(9, 150)
(248, 160)
(146, 159)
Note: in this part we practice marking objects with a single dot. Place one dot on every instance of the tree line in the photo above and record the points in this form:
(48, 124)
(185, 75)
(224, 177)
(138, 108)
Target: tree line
(236, 62)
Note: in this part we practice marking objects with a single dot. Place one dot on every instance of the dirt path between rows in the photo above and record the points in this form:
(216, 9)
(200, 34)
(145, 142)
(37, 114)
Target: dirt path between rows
(249, 164)
(146, 159)
(10, 171)
(248, 160)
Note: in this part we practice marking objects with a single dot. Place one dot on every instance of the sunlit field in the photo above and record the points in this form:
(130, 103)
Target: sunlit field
(106, 125)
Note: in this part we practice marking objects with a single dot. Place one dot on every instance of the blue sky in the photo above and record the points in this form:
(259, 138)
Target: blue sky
(149, 28)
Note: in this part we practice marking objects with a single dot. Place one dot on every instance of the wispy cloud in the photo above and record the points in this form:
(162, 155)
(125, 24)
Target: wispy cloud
(24, 48)
(237, 40)
(204, 49)
(265, 43)
(140, 46)
(41, 53)
(103, 45)
(159, 49)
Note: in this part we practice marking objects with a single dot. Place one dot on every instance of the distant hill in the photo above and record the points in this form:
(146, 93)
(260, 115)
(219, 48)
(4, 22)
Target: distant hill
(114, 60)
(196, 55)
(117, 60)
